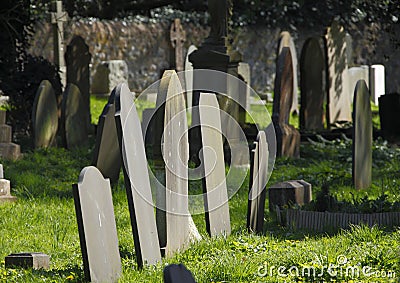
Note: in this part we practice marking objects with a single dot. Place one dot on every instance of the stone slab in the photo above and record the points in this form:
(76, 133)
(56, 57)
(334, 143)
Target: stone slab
(4, 187)
(356, 74)
(4, 199)
(136, 177)
(108, 75)
(96, 224)
(177, 273)
(10, 151)
(377, 82)
(3, 115)
(28, 260)
(189, 78)
(214, 183)
(288, 193)
(389, 109)
(5, 134)
(1, 171)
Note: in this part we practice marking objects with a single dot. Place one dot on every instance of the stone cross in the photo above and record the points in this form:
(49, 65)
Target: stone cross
(57, 20)
(178, 37)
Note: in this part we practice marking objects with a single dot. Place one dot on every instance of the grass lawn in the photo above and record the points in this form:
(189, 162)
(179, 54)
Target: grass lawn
(43, 220)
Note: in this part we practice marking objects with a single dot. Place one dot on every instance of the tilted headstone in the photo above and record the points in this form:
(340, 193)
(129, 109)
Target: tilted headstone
(58, 18)
(27, 260)
(258, 182)
(74, 130)
(339, 103)
(377, 82)
(356, 74)
(189, 78)
(5, 193)
(78, 59)
(389, 109)
(288, 138)
(108, 75)
(293, 192)
(286, 40)
(178, 37)
(136, 177)
(312, 85)
(216, 195)
(44, 116)
(177, 273)
(107, 155)
(362, 137)
(8, 149)
(96, 224)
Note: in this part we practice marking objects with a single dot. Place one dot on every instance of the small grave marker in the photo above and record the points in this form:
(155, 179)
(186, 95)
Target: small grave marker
(28, 260)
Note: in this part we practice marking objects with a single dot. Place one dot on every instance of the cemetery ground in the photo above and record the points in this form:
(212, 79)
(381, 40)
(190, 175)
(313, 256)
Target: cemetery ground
(43, 220)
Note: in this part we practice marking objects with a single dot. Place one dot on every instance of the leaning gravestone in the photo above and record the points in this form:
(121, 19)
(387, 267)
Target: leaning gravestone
(108, 75)
(97, 229)
(258, 182)
(74, 130)
(189, 78)
(288, 138)
(44, 116)
(107, 156)
(377, 82)
(339, 103)
(78, 59)
(286, 40)
(362, 137)
(136, 177)
(312, 85)
(216, 195)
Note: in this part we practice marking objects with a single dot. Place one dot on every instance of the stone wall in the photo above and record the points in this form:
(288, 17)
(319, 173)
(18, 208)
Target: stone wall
(146, 48)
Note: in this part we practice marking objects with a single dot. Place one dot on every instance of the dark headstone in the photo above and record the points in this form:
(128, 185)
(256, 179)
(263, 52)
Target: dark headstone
(312, 85)
(136, 177)
(362, 137)
(74, 130)
(28, 260)
(389, 109)
(177, 273)
(44, 116)
(258, 182)
(96, 224)
(289, 193)
(288, 138)
(107, 155)
(77, 59)
(214, 183)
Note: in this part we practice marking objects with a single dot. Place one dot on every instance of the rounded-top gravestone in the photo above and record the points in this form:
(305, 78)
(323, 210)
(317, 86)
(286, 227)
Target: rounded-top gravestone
(44, 116)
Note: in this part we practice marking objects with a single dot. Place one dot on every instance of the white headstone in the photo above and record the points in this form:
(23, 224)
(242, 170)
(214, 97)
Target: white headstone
(356, 74)
(377, 82)
(189, 78)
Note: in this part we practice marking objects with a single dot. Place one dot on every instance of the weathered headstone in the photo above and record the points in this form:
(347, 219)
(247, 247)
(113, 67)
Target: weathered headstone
(258, 182)
(108, 75)
(312, 85)
(389, 109)
(244, 74)
(356, 74)
(177, 273)
(189, 78)
(286, 40)
(8, 149)
(288, 138)
(27, 260)
(178, 37)
(339, 103)
(44, 116)
(136, 177)
(78, 59)
(74, 130)
(96, 224)
(58, 18)
(291, 192)
(377, 82)
(214, 184)
(107, 155)
(362, 137)
(349, 49)
(5, 194)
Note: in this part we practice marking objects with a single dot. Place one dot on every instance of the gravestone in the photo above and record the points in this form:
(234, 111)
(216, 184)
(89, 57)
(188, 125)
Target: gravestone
(58, 18)
(377, 82)
(286, 40)
(74, 130)
(214, 183)
(5, 193)
(107, 155)
(288, 138)
(339, 103)
(244, 74)
(293, 192)
(97, 229)
(312, 85)
(108, 75)
(362, 137)
(258, 182)
(356, 74)
(27, 260)
(44, 116)
(178, 37)
(177, 273)
(389, 109)
(8, 149)
(189, 78)
(78, 59)
(136, 177)
(349, 49)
